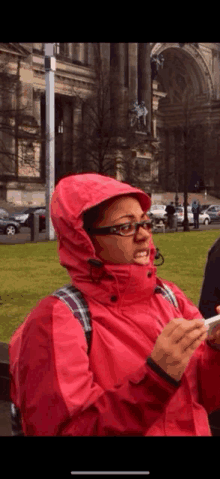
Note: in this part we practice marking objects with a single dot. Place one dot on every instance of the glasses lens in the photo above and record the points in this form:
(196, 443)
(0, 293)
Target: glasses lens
(127, 230)
(146, 225)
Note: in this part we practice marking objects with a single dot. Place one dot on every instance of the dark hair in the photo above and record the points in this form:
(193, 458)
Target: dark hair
(96, 213)
(90, 216)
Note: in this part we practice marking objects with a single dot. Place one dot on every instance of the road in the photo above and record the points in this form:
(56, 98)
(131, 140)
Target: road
(212, 226)
(25, 235)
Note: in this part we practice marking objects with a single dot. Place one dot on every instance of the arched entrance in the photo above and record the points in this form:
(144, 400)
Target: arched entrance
(184, 116)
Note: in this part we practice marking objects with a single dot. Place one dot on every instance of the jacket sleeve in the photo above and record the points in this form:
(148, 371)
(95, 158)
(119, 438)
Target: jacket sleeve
(206, 356)
(55, 389)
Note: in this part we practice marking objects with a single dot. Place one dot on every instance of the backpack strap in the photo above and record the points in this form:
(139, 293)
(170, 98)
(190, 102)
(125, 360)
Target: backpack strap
(74, 299)
(167, 293)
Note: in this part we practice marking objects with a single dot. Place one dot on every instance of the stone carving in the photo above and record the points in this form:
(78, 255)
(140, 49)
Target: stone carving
(138, 115)
(157, 62)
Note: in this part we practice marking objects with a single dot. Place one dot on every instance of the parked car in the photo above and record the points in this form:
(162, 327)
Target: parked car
(23, 217)
(204, 218)
(214, 212)
(158, 213)
(204, 207)
(4, 213)
(9, 227)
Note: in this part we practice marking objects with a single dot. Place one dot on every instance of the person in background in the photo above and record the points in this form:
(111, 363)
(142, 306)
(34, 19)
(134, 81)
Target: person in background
(170, 209)
(209, 305)
(210, 290)
(196, 211)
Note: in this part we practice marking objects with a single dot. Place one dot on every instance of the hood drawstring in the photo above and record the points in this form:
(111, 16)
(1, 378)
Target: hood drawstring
(96, 270)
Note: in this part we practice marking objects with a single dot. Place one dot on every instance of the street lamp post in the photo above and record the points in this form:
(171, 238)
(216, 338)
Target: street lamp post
(50, 67)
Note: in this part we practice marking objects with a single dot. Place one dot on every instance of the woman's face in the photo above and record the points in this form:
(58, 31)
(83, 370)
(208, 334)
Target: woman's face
(123, 249)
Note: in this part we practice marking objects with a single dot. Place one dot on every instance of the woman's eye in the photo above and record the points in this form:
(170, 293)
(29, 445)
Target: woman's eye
(127, 227)
(147, 225)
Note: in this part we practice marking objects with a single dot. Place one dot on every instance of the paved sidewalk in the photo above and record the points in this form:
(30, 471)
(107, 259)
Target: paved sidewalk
(5, 422)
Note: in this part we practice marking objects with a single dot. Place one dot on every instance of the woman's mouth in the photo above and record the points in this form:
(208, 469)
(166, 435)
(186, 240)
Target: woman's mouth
(142, 256)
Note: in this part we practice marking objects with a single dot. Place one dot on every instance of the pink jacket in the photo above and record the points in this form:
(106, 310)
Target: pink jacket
(115, 391)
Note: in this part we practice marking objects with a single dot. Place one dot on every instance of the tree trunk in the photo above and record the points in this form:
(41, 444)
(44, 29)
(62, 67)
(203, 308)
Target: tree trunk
(185, 195)
(16, 118)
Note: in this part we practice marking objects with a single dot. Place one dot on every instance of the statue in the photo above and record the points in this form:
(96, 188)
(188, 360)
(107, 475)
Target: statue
(138, 115)
(157, 62)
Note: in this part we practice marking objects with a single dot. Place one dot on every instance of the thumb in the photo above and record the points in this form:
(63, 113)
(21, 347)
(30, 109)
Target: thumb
(218, 309)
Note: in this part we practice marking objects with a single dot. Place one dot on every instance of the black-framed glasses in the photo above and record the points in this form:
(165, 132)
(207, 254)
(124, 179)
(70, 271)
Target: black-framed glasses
(125, 229)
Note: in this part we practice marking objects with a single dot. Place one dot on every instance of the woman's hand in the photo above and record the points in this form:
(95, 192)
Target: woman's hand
(176, 344)
(214, 338)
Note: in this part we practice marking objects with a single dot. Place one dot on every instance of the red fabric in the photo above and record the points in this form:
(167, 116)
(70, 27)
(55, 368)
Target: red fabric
(59, 389)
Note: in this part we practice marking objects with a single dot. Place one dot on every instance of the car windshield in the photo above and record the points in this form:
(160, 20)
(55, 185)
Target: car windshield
(19, 212)
(30, 210)
(3, 213)
(34, 208)
(214, 208)
(158, 207)
(204, 207)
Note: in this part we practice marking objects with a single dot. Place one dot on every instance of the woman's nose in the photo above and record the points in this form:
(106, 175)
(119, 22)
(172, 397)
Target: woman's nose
(142, 232)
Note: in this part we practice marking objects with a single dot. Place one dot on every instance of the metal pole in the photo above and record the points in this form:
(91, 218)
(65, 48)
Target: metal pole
(50, 67)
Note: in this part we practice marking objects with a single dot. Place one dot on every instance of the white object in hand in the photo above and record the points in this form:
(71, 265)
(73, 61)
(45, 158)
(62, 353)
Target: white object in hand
(212, 322)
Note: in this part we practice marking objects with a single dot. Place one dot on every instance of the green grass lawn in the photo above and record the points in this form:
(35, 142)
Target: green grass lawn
(31, 271)
(185, 257)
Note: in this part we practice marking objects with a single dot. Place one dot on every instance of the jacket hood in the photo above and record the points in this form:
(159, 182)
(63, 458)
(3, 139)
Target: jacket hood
(72, 197)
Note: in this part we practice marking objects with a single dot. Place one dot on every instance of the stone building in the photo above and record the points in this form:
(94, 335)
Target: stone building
(182, 97)
(188, 117)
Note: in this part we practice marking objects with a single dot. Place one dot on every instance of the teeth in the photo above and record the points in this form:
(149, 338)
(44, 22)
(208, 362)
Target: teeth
(141, 254)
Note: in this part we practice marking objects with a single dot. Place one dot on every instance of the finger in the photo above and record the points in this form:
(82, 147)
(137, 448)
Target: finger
(191, 338)
(171, 326)
(185, 328)
(176, 323)
(218, 309)
(196, 343)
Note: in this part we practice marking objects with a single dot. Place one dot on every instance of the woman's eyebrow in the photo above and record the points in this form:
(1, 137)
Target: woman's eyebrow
(129, 216)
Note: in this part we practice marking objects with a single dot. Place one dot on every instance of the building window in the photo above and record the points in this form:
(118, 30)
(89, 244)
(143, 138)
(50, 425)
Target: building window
(80, 53)
(57, 48)
(63, 49)
(142, 166)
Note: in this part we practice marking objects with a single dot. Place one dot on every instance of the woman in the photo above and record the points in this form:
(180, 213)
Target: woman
(147, 373)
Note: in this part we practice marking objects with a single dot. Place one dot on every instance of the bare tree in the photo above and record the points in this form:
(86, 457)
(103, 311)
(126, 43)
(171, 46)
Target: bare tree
(192, 146)
(182, 168)
(103, 140)
(18, 129)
